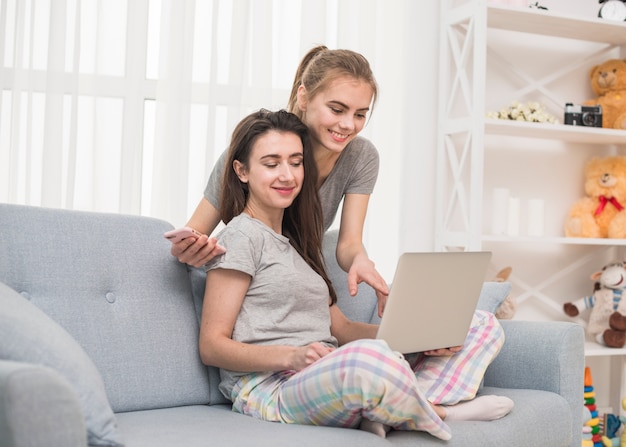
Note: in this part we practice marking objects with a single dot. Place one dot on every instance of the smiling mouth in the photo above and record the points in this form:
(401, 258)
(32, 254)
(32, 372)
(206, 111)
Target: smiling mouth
(284, 190)
(339, 136)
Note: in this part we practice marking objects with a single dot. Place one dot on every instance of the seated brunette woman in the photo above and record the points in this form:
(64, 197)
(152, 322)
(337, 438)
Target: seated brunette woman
(270, 322)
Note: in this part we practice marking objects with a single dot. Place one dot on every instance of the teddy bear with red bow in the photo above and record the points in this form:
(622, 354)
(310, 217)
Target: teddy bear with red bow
(602, 213)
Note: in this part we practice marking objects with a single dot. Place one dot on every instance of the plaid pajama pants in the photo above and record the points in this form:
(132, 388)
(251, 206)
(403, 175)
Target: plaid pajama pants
(365, 379)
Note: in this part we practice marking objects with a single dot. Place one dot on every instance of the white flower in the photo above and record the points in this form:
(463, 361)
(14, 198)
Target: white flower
(531, 112)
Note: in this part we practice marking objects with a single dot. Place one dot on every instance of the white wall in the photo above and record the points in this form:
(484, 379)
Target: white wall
(401, 217)
(403, 202)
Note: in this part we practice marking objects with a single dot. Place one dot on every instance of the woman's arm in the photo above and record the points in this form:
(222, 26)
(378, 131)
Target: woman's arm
(205, 217)
(222, 303)
(345, 330)
(199, 251)
(351, 254)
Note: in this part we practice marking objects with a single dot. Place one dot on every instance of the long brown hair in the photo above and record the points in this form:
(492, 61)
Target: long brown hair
(320, 66)
(302, 221)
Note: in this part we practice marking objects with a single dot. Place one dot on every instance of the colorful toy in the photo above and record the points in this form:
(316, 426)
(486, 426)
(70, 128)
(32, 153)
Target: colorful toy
(614, 434)
(587, 442)
(601, 212)
(607, 321)
(608, 82)
(591, 427)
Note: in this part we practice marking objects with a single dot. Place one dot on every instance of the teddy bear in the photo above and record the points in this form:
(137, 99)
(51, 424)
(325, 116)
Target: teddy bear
(608, 82)
(600, 213)
(607, 320)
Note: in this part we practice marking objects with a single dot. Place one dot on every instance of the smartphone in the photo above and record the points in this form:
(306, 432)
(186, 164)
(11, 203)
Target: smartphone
(179, 234)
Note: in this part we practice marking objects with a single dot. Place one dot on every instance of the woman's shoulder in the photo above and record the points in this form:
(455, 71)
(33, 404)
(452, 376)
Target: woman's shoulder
(251, 229)
(360, 144)
(244, 225)
(359, 152)
(244, 243)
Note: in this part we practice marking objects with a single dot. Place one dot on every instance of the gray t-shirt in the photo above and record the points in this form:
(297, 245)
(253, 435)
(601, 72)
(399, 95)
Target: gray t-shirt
(355, 172)
(287, 302)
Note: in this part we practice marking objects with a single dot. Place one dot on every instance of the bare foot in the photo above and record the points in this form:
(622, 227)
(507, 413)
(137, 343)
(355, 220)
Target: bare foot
(377, 428)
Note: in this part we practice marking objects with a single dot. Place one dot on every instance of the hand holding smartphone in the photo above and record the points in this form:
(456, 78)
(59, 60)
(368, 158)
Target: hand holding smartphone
(177, 235)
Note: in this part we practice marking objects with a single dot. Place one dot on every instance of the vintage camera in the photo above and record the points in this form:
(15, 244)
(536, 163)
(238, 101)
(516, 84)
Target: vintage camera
(588, 116)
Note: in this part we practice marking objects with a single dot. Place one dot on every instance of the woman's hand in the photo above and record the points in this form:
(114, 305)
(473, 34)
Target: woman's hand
(196, 251)
(307, 355)
(351, 254)
(362, 270)
(444, 352)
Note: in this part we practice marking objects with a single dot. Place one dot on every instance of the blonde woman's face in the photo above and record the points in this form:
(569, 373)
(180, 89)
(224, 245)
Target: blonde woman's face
(337, 114)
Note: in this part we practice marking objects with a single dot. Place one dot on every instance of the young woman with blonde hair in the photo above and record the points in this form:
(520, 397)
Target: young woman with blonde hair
(333, 93)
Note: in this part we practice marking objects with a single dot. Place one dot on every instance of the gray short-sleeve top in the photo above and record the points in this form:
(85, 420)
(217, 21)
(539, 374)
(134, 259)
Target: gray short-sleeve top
(355, 172)
(287, 302)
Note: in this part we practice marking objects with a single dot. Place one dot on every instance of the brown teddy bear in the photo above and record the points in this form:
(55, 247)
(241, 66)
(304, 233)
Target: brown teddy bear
(601, 213)
(608, 81)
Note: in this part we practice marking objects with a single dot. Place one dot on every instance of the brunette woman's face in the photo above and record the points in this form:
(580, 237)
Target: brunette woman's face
(275, 172)
(337, 113)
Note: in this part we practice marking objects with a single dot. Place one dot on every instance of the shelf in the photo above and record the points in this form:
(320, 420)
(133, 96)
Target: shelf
(562, 132)
(554, 240)
(466, 138)
(546, 23)
(593, 349)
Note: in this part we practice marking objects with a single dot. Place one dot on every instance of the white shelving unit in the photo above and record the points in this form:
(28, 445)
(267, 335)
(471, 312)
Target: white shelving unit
(467, 141)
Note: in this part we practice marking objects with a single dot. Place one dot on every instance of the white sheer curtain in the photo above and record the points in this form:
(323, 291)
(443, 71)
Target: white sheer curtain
(124, 105)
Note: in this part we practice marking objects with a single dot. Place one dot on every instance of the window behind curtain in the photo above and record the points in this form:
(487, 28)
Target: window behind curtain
(124, 105)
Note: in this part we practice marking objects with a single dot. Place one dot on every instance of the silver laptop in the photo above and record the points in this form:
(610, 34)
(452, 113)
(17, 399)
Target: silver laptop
(432, 299)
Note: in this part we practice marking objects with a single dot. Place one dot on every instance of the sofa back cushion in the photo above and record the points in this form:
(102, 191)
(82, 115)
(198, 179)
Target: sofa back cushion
(363, 307)
(197, 276)
(112, 283)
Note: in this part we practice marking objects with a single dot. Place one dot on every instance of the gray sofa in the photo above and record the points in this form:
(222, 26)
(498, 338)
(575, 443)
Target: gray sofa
(98, 345)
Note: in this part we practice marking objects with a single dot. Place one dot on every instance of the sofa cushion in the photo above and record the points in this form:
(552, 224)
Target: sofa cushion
(218, 425)
(362, 307)
(197, 277)
(492, 295)
(540, 418)
(30, 336)
(111, 282)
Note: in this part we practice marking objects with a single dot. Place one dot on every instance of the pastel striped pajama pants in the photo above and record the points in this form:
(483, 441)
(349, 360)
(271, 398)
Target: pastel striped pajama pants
(365, 379)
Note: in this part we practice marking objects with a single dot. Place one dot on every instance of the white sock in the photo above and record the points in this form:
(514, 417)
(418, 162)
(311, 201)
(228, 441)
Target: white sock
(378, 428)
(481, 408)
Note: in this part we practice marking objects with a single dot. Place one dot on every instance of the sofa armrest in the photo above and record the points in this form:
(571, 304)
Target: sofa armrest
(545, 356)
(38, 407)
(548, 356)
